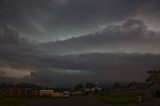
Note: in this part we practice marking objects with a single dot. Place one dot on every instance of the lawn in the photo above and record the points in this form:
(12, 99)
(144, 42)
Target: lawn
(117, 99)
(15, 101)
(21, 101)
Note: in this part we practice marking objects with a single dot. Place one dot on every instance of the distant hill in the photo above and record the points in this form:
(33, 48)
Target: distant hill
(20, 85)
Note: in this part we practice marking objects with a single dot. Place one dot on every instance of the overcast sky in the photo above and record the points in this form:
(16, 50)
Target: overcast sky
(64, 42)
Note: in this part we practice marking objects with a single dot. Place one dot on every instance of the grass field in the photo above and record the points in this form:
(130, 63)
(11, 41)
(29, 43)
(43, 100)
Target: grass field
(21, 101)
(15, 101)
(118, 99)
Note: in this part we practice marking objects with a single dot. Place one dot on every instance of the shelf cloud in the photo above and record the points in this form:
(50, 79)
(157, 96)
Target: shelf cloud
(52, 41)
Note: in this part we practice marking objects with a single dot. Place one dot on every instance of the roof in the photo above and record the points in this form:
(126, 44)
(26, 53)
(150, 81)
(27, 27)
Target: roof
(153, 83)
(138, 85)
(21, 85)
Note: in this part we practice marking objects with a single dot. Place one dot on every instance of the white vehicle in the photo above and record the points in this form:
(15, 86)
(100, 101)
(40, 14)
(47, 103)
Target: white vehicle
(66, 94)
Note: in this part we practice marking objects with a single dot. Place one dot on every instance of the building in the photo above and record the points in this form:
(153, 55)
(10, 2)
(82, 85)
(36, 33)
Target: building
(19, 89)
(155, 89)
(46, 92)
(135, 88)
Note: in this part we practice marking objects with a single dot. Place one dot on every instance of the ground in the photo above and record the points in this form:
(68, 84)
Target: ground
(118, 99)
(72, 101)
(85, 101)
(15, 101)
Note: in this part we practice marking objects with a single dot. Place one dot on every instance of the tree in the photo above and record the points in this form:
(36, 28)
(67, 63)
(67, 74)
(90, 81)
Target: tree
(90, 85)
(154, 76)
(79, 87)
(116, 85)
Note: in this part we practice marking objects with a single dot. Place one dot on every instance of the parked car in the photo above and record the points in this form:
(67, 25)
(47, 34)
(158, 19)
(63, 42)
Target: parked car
(66, 94)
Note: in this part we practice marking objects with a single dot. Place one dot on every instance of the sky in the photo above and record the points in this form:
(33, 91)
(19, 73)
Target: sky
(66, 42)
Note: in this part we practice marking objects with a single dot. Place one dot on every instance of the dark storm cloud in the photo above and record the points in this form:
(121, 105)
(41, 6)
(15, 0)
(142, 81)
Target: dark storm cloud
(73, 68)
(74, 60)
(150, 13)
(65, 18)
(18, 53)
(14, 47)
(61, 78)
(8, 36)
(132, 35)
(107, 67)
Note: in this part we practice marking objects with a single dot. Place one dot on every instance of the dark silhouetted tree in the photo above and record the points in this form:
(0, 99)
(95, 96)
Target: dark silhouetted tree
(116, 85)
(90, 85)
(79, 87)
(154, 76)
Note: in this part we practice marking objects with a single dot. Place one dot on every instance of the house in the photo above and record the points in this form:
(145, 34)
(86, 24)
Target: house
(76, 93)
(135, 88)
(22, 89)
(155, 89)
(50, 93)
(96, 89)
(46, 92)
(57, 94)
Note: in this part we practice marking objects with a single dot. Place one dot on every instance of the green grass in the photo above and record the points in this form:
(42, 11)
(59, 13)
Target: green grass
(117, 99)
(21, 101)
(157, 98)
(15, 101)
